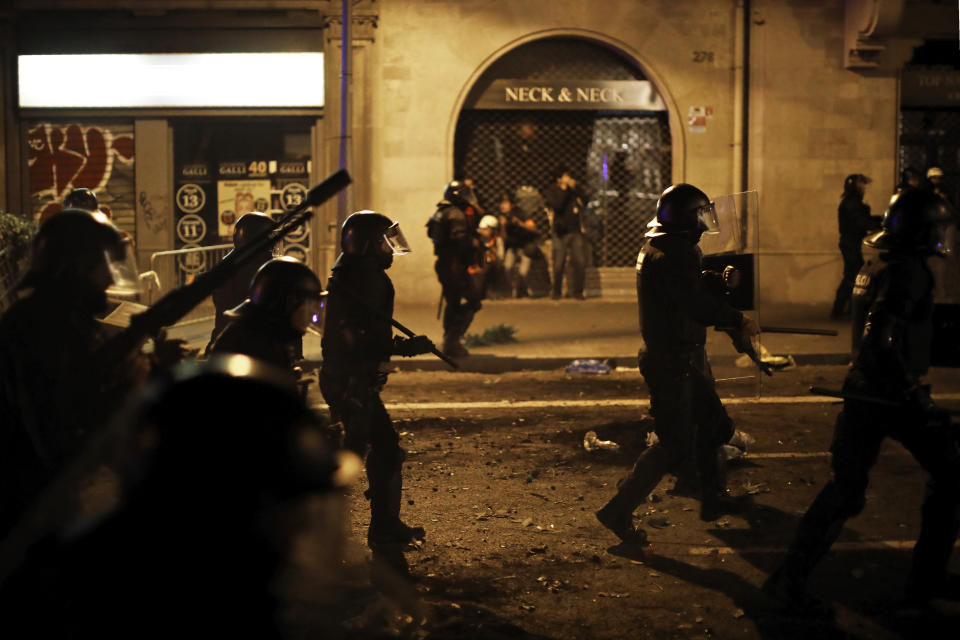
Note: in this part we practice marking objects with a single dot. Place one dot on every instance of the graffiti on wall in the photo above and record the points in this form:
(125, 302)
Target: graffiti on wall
(63, 157)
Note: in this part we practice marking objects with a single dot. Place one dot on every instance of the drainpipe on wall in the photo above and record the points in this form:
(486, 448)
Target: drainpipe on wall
(741, 95)
(346, 105)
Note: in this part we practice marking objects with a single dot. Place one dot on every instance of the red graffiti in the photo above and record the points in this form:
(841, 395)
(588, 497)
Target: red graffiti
(66, 157)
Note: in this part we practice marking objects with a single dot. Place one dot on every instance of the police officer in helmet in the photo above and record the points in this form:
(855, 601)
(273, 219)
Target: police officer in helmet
(358, 342)
(284, 300)
(52, 389)
(215, 493)
(675, 309)
(234, 291)
(457, 245)
(892, 310)
(81, 198)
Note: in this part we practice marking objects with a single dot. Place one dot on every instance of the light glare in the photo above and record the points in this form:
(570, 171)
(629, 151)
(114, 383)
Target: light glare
(172, 80)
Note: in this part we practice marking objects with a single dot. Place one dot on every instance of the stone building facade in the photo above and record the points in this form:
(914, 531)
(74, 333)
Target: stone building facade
(784, 98)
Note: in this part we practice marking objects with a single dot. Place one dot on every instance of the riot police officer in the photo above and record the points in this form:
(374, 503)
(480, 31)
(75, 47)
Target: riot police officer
(214, 496)
(675, 309)
(285, 299)
(234, 291)
(885, 397)
(358, 342)
(457, 245)
(854, 222)
(52, 388)
(81, 198)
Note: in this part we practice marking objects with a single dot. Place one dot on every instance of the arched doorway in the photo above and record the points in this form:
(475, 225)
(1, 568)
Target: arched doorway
(571, 102)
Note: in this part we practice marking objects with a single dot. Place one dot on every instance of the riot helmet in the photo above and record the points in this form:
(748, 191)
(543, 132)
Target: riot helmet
(934, 173)
(460, 194)
(230, 427)
(369, 233)
(684, 210)
(250, 225)
(917, 221)
(286, 288)
(81, 198)
(79, 247)
(854, 184)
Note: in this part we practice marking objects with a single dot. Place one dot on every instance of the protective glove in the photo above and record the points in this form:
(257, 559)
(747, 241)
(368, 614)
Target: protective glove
(414, 346)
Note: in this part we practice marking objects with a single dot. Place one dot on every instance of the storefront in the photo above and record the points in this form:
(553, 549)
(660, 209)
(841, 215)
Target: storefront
(569, 102)
(180, 122)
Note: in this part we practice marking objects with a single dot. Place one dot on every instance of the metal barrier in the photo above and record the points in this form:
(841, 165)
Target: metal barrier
(180, 267)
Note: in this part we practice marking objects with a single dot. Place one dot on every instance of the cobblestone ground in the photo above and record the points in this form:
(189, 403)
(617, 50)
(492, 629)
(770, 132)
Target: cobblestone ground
(498, 474)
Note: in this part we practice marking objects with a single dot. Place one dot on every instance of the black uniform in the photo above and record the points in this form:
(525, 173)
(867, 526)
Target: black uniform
(892, 309)
(233, 292)
(263, 336)
(357, 342)
(51, 391)
(690, 421)
(568, 240)
(854, 222)
(675, 310)
(201, 529)
(453, 230)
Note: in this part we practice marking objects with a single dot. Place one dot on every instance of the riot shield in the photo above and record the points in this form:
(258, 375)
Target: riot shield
(731, 267)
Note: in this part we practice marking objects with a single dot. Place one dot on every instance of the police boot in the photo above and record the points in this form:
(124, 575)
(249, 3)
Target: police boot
(452, 347)
(617, 516)
(715, 500)
(386, 527)
(632, 491)
(788, 586)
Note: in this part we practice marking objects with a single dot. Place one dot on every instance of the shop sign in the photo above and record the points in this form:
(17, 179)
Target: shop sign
(575, 94)
(191, 198)
(233, 169)
(191, 229)
(292, 195)
(192, 261)
(296, 168)
(193, 171)
(930, 88)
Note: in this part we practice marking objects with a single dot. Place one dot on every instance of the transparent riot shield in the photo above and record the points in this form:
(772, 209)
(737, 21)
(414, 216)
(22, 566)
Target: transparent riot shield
(731, 270)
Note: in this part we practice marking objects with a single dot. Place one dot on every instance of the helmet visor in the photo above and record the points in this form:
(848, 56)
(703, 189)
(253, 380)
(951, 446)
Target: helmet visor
(315, 305)
(123, 271)
(396, 241)
(707, 216)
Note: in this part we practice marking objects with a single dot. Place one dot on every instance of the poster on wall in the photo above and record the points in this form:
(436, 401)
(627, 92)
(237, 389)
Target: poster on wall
(290, 188)
(237, 197)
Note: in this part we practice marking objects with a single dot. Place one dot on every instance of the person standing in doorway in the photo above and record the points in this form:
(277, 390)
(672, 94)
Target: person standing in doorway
(567, 201)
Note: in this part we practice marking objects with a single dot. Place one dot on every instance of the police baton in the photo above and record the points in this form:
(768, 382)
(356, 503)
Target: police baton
(793, 330)
(433, 349)
(403, 329)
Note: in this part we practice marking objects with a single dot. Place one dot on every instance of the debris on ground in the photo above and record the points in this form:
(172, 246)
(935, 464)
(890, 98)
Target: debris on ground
(738, 444)
(589, 366)
(592, 443)
(735, 448)
(777, 362)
